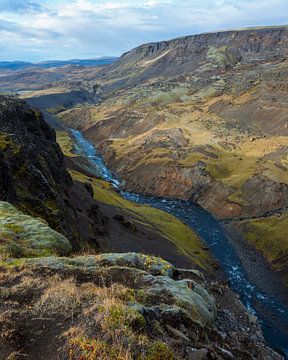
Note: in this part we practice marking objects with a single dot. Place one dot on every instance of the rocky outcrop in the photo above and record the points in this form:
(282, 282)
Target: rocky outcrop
(24, 236)
(34, 178)
(109, 305)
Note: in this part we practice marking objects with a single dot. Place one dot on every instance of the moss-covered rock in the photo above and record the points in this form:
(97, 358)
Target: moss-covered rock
(24, 236)
(151, 277)
(151, 264)
(92, 308)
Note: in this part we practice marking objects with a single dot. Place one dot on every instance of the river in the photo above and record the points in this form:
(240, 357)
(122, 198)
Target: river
(272, 315)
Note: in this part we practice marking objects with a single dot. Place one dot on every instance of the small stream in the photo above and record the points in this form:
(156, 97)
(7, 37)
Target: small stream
(272, 314)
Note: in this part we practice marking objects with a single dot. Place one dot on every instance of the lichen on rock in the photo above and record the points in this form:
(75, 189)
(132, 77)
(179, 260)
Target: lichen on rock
(24, 236)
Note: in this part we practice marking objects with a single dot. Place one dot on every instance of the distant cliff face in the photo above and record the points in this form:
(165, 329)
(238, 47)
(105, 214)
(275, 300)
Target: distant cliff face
(33, 175)
(193, 55)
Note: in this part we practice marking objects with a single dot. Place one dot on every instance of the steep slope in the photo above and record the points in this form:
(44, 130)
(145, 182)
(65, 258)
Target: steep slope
(33, 175)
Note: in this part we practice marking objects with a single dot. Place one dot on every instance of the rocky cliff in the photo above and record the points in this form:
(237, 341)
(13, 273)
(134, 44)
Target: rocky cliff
(33, 175)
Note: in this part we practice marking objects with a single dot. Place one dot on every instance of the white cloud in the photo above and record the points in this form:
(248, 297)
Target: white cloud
(90, 28)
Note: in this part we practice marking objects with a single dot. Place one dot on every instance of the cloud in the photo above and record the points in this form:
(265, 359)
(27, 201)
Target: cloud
(20, 6)
(47, 29)
(7, 26)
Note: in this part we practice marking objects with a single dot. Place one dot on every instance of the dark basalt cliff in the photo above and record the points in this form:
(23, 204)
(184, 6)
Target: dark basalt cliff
(33, 175)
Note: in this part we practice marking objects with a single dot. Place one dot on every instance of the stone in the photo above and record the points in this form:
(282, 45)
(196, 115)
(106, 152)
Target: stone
(198, 354)
(177, 333)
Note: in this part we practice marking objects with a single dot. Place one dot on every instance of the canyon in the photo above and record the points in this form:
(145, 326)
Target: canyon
(200, 119)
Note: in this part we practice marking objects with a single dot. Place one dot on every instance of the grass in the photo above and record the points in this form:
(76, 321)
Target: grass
(234, 167)
(49, 91)
(231, 167)
(99, 310)
(186, 241)
(65, 141)
(269, 236)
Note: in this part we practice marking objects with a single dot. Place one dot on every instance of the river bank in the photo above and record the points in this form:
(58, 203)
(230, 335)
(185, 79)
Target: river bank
(271, 313)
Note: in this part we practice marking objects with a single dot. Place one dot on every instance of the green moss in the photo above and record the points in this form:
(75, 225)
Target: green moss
(13, 250)
(23, 235)
(38, 114)
(155, 156)
(192, 159)
(65, 142)
(17, 229)
(237, 198)
(56, 109)
(6, 143)
(159, 351)
(121, 316)
(11, 263)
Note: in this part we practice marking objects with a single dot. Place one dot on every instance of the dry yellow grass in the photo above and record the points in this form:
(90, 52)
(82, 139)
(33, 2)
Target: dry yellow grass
(49, 91)
(66, 143)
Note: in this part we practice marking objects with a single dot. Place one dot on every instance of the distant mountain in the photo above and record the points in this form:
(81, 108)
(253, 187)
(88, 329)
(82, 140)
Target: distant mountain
(14, 65)
(20, 65)
(81, 62)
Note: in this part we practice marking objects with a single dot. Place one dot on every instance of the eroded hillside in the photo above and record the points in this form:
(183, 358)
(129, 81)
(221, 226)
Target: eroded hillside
(200, 118)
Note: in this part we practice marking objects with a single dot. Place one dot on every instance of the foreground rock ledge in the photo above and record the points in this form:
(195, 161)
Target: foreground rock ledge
(121, 306)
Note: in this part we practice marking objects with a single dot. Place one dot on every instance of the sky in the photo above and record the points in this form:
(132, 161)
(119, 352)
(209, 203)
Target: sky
(38, 30)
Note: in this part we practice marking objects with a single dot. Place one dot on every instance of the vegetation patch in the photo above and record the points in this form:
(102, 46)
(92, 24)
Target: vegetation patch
(24, 236)
(92, 307)
(66, 143)
(269, 235)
